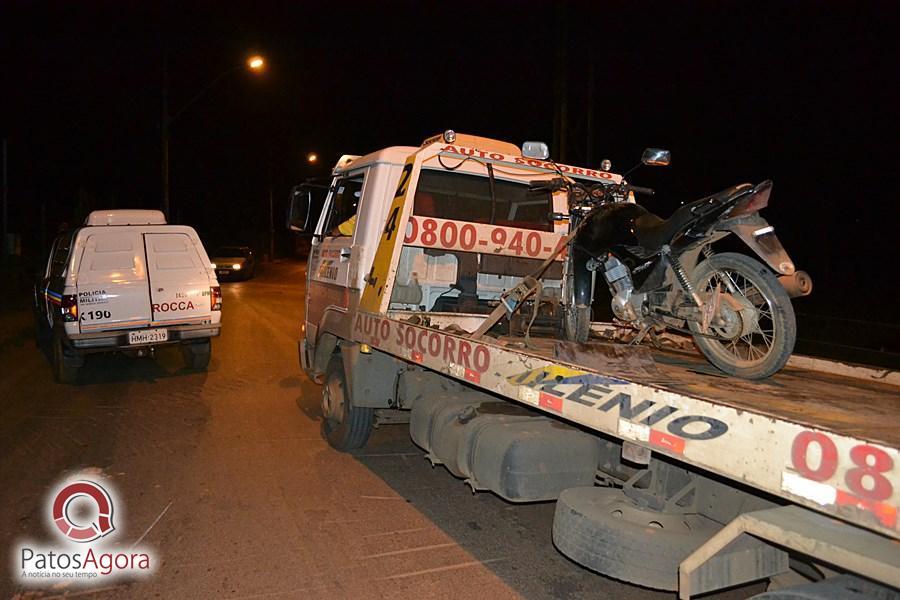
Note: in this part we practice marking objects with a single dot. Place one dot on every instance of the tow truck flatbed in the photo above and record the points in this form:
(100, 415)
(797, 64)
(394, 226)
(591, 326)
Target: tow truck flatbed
(826, 441)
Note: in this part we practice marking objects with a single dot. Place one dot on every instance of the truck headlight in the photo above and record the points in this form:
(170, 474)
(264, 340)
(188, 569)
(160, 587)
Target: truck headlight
(236, 266)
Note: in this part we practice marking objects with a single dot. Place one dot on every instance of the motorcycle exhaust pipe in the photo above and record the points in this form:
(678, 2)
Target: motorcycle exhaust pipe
(797, 284)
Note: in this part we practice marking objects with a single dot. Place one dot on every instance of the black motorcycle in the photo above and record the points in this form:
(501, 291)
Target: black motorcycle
(663, 274)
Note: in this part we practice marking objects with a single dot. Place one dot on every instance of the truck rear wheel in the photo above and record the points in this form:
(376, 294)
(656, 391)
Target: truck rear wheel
(346, 427)
(66, 362)
(197, 355)
(605, 531)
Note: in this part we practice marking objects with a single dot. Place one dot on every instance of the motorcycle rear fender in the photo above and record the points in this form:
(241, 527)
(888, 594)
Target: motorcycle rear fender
(760, 236)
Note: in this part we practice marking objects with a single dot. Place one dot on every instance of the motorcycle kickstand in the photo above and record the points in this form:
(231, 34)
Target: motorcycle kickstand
(641, 335)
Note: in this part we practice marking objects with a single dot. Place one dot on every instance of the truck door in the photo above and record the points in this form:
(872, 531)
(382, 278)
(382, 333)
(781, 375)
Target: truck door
(42, 303)
(112, 281)
(330, 258)
(179, 280)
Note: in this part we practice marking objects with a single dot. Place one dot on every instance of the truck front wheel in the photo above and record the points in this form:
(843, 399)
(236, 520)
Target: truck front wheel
(346, 427)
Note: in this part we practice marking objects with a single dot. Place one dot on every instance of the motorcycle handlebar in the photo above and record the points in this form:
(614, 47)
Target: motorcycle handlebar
(545, 184)
(641, 190)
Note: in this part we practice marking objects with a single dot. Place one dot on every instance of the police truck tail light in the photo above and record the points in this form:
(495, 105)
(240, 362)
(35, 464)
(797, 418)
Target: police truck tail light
(215, 298)
(69, 308)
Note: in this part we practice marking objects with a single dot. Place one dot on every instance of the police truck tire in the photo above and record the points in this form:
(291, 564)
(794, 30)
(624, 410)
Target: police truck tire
(64, 371)
(346, 427)
(197, 355)
(604, 530)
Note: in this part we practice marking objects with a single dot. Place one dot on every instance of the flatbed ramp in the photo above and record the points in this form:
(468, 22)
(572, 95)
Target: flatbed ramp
(825, 441)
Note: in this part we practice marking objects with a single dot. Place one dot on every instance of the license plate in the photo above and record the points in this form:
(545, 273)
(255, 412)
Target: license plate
(223, 272)
(148, 336)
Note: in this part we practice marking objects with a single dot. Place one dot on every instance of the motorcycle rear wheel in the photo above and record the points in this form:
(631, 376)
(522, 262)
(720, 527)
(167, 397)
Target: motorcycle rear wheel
(765, 350)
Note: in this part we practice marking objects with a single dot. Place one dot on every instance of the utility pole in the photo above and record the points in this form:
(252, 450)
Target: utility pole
(271, 225)
(164, 128)
(561, 113)
(590, 113)
(4, 253)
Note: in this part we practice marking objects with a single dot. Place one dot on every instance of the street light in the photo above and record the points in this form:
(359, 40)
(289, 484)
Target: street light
(255, 63)
(312, 158)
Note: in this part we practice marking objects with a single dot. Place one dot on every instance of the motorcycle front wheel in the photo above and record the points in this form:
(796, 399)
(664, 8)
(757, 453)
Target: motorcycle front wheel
(576, 319)
(761, 341)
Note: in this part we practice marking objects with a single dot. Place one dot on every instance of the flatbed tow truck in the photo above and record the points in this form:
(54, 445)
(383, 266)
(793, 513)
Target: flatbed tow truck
(666, 473)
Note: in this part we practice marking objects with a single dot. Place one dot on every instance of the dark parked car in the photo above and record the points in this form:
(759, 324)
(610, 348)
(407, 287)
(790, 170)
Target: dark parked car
(234, 262)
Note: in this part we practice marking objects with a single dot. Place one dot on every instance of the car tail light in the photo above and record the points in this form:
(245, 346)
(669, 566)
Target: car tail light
(69, 308)
(215, 298)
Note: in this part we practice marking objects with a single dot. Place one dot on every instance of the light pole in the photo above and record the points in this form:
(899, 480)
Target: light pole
(254, 63)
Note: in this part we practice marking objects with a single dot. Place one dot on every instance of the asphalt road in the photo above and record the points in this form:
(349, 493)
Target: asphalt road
(226, 477)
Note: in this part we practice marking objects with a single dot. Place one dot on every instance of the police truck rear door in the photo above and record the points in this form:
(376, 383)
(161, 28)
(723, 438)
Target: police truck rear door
(112, 280)
(179, 279)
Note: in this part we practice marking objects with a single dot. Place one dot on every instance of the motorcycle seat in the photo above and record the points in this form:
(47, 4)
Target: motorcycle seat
(653, 232)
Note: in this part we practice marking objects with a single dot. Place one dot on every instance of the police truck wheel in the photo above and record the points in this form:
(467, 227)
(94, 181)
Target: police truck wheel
(346, 427)
(65, 363)
(604, 530)
(197, 354)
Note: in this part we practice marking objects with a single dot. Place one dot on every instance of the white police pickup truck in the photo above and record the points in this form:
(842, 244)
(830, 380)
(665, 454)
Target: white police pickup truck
(126, 281)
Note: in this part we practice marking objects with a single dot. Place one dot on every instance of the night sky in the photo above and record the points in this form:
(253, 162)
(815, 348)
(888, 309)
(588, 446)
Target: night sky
(803, 94)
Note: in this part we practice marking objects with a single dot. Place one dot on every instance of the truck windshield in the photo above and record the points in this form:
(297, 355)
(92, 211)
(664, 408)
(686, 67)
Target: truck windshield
(464, 197)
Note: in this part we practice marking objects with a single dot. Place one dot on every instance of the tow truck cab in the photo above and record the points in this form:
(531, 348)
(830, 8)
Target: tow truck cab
(473, 229)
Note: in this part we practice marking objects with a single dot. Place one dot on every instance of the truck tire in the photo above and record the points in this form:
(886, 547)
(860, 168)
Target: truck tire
(604, 530)
(346, 427)
(842, 587)
(65, 365)
(197, 355)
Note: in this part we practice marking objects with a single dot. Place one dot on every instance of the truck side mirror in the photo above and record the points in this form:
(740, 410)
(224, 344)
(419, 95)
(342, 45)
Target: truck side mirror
(656, 157)
(305, 208)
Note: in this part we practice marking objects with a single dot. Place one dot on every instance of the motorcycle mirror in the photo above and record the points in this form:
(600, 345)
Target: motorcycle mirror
(656, 157)
(535, 150)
